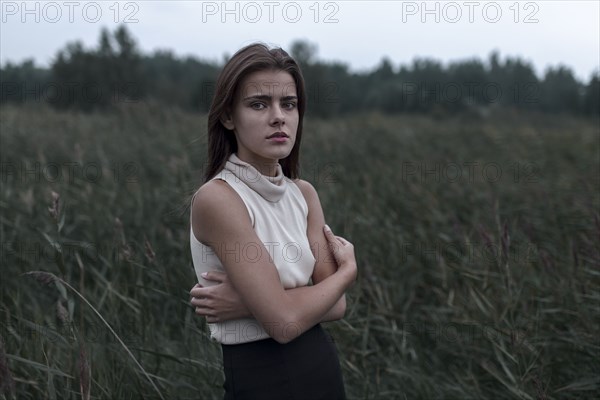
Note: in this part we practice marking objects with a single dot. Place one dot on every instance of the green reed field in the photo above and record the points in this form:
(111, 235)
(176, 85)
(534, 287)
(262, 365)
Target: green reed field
(477, 241)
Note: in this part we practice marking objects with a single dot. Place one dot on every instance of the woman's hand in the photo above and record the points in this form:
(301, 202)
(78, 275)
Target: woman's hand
(343, 252)
(220, 302)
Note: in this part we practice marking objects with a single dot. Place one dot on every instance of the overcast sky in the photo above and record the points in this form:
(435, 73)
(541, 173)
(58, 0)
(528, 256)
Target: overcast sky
(360, 33)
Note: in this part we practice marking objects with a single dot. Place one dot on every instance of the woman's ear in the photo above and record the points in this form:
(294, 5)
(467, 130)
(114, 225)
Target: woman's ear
(227, 121)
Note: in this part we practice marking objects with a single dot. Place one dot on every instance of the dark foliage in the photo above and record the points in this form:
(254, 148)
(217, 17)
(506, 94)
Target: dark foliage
(116, 72)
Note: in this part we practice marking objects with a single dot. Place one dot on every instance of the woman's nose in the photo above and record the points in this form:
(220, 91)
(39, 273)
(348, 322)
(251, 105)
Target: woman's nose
(278, 117)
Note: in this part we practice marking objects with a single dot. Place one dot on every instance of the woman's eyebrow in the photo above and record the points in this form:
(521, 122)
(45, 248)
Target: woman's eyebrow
(258, 97)
(269, 97)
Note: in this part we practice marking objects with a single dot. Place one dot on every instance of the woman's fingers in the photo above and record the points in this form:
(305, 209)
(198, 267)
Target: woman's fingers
(215, 276)
(197, 291)
(197, 301)
(205, 312)
(333, 238)
(341, 239)
(342, 249)
(200, 293)
(201, 302)
(328, 232)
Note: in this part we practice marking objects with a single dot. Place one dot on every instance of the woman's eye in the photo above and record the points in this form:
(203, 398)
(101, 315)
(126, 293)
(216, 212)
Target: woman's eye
(290, 105)
(257, 106)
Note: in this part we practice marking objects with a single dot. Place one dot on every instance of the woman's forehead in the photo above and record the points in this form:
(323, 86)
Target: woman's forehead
(268, 83)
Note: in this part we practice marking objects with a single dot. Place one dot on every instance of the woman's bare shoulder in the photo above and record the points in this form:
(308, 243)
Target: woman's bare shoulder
(303, 185)
(308, 190)
(212, 202)
(212, 188)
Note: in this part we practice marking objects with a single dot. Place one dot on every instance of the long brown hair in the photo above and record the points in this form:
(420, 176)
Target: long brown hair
(249, 59)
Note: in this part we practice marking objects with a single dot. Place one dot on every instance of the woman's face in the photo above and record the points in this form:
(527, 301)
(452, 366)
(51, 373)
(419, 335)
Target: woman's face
(266, 103)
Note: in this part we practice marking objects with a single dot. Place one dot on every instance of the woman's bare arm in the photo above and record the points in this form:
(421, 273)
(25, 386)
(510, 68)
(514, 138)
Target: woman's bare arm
(325, 264)
(221, 221)
(222, 302)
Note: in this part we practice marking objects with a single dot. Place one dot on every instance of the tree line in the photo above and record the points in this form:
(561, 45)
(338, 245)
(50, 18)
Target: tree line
(117, 72)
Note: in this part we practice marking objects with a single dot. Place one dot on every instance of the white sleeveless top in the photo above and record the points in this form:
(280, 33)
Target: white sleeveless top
(278, 212)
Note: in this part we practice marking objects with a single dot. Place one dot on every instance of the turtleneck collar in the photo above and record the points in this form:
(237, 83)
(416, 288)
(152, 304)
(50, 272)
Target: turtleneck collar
(271, 188)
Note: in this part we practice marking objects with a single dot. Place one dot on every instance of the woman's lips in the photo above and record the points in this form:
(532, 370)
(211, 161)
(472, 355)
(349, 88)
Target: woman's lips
(279, 139)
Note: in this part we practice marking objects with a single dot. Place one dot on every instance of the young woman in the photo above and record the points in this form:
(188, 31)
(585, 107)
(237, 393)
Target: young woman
(258, 235)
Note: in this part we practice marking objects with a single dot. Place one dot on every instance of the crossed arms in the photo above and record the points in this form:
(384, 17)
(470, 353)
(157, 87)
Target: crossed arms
(257, 291)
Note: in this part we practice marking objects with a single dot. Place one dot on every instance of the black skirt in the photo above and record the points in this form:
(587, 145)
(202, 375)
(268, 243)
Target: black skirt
(306, 368)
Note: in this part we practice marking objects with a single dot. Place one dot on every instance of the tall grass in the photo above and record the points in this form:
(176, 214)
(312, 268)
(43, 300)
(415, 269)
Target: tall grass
(483, 285)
